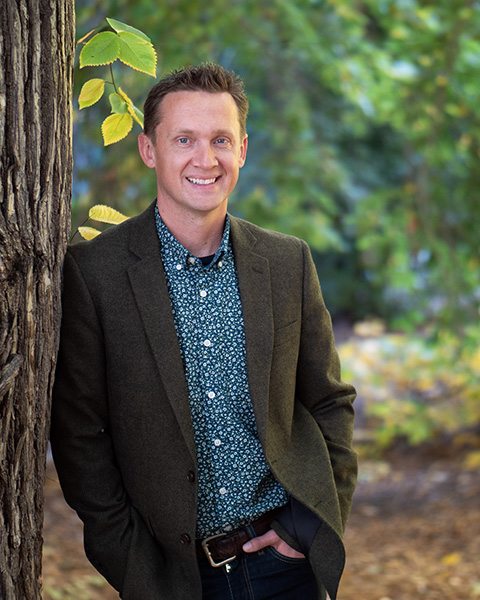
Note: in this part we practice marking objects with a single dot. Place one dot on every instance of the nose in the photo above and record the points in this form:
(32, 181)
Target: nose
(205, 156)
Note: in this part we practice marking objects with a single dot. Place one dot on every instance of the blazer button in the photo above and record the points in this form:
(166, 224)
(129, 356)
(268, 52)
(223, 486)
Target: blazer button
(191, 476)
(185, 539)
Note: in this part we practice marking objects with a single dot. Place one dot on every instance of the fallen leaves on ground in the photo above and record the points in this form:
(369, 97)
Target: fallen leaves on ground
(414, 533)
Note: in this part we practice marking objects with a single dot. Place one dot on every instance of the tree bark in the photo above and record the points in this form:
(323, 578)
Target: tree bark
(36, 65)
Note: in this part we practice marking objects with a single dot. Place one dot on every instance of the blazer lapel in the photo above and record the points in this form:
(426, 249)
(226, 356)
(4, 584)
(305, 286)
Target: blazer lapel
(151, 293)
(253, 273)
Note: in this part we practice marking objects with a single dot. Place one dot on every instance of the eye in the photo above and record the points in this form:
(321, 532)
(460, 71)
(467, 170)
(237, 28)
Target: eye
(222, 141)
(183, 140)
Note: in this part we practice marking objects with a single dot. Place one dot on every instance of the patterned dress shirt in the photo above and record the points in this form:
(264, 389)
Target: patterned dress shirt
(235, 484)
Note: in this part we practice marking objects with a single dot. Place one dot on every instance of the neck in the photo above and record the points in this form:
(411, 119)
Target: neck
(200, 234)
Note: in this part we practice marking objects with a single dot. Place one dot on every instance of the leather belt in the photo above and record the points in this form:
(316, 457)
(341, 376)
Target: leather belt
(223, 548)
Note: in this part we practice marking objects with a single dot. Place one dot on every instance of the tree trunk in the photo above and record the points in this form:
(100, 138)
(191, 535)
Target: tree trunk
(36, 64)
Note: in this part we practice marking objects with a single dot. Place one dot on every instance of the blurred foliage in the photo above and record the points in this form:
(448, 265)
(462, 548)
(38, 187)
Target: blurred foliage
(415, 390)
(363, 139)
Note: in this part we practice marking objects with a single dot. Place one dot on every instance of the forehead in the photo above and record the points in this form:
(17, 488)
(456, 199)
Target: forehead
(199, 108)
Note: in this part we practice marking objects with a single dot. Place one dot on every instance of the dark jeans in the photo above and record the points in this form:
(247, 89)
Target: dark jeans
(265, 575)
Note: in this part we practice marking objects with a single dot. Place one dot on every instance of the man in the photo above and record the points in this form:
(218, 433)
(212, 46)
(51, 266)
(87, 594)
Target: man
(200, 427)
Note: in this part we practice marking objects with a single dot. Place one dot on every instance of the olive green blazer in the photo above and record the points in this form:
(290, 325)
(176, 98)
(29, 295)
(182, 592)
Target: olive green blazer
(122, 436)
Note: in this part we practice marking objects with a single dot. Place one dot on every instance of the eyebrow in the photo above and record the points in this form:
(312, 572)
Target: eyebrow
(228, 132)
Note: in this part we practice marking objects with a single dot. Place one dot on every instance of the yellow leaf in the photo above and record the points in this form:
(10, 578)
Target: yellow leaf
(472, 460)
(132, 109)
(88, 233)
(124, 96)
(91, 92)
(106, 214)
(450, 560)
(116, 127)
(136, 114)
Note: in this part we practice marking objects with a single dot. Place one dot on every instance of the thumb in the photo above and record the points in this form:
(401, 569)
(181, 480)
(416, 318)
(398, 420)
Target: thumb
(262, 541)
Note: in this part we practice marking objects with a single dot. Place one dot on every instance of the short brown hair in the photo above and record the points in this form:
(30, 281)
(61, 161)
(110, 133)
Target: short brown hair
(208, 77)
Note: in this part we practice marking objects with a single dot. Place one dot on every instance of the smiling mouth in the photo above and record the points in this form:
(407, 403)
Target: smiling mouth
(202, 181)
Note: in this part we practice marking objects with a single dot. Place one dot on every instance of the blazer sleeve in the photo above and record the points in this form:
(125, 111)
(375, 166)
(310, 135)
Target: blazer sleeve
(316, 529)
(117, 541)
(321, 389)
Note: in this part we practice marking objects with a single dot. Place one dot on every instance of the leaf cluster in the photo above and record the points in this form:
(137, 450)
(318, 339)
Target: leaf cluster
(133, 48)
(102, 214)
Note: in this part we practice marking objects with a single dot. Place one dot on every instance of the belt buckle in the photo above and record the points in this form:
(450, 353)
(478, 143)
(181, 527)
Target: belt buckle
(208, 554)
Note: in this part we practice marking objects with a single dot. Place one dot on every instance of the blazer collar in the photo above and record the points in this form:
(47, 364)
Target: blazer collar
(149, 287)
(254, 280)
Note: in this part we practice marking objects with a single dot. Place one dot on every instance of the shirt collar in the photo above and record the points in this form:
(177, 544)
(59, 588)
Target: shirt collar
(178, 253)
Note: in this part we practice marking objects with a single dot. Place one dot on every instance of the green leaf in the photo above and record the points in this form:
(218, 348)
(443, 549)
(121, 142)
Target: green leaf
(91, 92)
(137, 53)
(88, 233)
(122, 27)
(102, 49)
(106, 214)
(118, 104)
(116, 127)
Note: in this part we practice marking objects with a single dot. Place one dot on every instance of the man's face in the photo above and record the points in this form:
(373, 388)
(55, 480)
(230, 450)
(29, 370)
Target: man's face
(197, 153)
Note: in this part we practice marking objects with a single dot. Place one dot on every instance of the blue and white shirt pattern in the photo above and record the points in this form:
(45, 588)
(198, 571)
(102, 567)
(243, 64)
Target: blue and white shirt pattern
(235, 484)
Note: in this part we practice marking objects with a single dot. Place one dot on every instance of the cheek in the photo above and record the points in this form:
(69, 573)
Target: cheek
(170, 165)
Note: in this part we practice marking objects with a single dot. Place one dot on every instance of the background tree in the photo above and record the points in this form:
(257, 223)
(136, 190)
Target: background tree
(36, 63)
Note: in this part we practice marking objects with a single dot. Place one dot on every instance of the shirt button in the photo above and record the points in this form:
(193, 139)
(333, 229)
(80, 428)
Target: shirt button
(211, 395)
(191, 476)
(207, 343)
(217, 443)
(223, 490)
(203, 293)
(185, 539)
(220, 264)
(178, 267)
(191, 260)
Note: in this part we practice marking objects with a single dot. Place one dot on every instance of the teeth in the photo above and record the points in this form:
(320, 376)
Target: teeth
(202, 181)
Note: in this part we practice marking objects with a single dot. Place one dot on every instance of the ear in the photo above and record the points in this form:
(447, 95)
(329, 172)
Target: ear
(243, 151)
(146, 150)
